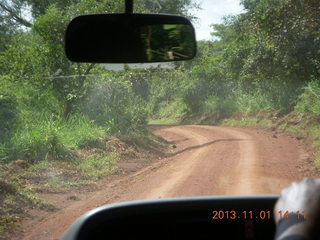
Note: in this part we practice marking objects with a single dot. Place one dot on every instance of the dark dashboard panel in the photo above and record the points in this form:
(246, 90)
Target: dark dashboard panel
(236, 217)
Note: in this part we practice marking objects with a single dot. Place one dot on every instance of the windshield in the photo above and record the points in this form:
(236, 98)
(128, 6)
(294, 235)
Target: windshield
(241, 118)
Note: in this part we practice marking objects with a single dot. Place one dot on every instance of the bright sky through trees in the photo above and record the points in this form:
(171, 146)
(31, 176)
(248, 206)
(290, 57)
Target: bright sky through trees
(213, 11)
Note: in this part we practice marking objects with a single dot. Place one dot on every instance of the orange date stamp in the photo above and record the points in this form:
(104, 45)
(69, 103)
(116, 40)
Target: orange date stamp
(259, 215)
(233, 215)
(297, 214)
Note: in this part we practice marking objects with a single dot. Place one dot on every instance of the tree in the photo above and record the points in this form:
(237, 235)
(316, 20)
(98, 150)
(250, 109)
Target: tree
(45, 31)
(292, 29)
(178, 7)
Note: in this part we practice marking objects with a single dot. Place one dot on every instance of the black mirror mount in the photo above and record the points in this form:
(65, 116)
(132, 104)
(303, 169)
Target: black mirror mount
(129, 6)
(129, 38)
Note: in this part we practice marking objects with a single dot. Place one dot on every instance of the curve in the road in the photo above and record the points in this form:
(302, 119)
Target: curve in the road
(206, 160)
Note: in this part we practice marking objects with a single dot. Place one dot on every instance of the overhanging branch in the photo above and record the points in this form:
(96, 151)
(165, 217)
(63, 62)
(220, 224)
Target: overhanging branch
(15, 16)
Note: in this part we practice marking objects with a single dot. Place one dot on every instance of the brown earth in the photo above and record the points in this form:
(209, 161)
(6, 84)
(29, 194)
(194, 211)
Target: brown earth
(202, 160)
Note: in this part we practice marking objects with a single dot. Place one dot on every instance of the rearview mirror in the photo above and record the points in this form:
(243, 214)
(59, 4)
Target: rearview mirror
(129, 38)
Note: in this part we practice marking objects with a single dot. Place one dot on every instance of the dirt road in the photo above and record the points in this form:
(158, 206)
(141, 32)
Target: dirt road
(203, 160)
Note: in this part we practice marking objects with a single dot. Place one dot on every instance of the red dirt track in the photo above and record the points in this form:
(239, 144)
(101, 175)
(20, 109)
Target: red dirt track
(204, 160)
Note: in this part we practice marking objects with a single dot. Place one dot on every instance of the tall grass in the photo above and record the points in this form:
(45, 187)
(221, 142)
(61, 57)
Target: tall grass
(46, 138)
(33, 126)
(309, 100)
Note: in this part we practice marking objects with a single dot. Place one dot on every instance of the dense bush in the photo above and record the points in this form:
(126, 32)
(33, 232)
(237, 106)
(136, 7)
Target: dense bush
(34, 127)
(111, 103)
(309, 100)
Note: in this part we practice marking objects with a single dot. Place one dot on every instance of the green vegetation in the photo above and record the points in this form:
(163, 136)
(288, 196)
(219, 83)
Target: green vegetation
(58, 119)
(61, 123)
(265, 59)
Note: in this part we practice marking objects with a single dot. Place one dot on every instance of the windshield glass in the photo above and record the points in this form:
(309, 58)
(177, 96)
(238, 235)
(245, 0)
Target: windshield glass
(241, 118)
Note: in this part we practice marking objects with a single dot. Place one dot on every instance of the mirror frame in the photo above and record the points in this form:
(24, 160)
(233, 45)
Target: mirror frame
(72, 52)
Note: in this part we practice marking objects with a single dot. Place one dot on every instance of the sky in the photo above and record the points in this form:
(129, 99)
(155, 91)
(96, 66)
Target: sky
(212, 12)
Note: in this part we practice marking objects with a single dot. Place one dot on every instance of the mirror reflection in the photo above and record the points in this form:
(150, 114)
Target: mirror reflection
(167, 42)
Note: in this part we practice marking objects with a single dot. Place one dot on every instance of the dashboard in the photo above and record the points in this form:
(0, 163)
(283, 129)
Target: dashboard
(217, 217)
